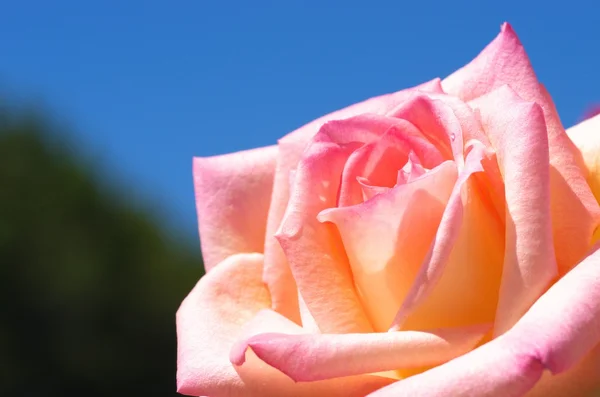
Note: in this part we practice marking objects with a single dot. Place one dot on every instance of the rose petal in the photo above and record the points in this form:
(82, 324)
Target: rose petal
(380, 240)
(436, 121)
(378, 161)
(518, 134)
(511, 364)
(233, 193)
(586, 136)
(265, 380)
(277, 273)
(368, 189)
(492, 370)
(307, 358)
(468, 235)
(575, 213)
(314, 250)
(209, 321)
(580, 380)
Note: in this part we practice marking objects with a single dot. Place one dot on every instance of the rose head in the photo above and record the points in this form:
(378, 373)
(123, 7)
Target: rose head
(437, 241)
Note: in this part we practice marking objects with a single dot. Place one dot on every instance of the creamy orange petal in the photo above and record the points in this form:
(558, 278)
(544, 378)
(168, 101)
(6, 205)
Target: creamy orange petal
(558, 333)
(233, 193)
(387, 238)
(458, 281)
(209, 321)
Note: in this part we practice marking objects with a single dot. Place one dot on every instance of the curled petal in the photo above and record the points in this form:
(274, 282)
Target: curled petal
(307, 358)
(266, 380)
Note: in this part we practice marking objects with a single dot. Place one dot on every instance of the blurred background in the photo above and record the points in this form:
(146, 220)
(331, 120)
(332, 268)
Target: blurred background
(104, 104)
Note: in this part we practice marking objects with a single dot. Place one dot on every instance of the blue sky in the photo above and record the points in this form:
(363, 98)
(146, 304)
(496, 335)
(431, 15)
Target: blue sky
(146, 85)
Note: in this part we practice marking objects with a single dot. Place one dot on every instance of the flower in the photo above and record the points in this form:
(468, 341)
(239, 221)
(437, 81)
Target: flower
(437, 241)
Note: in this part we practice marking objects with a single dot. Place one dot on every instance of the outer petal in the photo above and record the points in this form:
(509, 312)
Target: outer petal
(264, 380)
(315, 357)
(519, 135)
(575, 214)
(586, 136)
(383, 247)
(233, 193)
(227, 304)
(277, 273)
(559, 330)
(209, 321)
(452, 288)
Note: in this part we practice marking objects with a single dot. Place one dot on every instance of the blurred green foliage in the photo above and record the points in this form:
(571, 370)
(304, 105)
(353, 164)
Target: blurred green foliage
(89, 284)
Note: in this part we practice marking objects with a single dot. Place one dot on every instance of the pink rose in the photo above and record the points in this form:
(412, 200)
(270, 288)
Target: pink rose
(457, 215)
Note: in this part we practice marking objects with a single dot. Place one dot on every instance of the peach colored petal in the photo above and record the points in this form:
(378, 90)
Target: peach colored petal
(559, 330)
(575, 213)
(265, 380)
(233, 193)
(209, 321)
(277, 273)
(452, 288)
(586, 137)
(314, 250)
(518, 134)
(227, 304)
(381, 243)
(307, 358)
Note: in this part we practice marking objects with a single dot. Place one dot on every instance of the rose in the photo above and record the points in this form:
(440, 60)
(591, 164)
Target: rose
(455, 214)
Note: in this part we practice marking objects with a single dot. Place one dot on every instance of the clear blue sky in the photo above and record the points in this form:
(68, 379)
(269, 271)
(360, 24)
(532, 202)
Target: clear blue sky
(146, 85)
